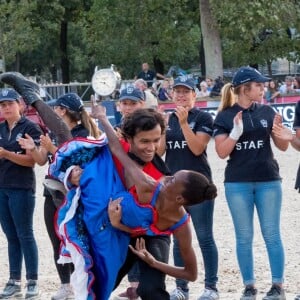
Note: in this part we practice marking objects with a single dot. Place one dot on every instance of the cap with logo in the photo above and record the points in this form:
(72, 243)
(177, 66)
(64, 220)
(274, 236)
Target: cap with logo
(9, 95)
(248, 74)
(184, 81)
(132, 93)
(70, 101)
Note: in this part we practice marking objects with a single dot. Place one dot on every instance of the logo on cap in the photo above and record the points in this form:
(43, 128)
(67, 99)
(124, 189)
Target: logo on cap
(130, 89)
(4, 92)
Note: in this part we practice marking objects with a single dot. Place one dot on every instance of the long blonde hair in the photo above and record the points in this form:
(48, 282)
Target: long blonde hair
(229, 94)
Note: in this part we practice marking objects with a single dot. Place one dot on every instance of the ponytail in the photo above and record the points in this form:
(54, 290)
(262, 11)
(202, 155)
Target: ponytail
(227, 97)
(89, 124)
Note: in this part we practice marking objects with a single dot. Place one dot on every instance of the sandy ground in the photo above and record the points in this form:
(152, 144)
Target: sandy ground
(230, 284)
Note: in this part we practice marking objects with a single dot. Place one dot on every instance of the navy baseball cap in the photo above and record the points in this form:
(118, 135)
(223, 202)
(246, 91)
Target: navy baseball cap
(248, 74)
(184, 81)
(132, 93)
(70, 101)
(9, 95)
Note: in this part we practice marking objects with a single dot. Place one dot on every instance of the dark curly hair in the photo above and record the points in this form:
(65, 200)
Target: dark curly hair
(144, 119)
(198, 189)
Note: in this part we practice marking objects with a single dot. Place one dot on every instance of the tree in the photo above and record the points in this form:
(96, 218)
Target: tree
(15, 38)
(255, 32)
(211, 41)
(127, 33)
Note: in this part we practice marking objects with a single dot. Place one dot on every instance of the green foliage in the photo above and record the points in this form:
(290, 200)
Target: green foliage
(127, 33)
(244, 26)
(15, 38)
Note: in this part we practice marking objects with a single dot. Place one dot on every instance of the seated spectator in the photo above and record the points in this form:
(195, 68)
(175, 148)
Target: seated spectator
(164, 92)
(296, 84)
(210, 83)
(287, 87)
(203, 90)
(148, 75)
(216, 90)
(150, 97)
(271, 92)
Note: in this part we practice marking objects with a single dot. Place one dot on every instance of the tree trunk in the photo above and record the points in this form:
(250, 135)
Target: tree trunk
(211, 41)
(64, 52)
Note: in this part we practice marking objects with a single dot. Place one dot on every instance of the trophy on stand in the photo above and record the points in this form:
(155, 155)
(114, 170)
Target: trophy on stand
(106, 83)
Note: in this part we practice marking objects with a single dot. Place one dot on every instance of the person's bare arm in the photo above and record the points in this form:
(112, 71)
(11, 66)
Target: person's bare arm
(188, 271)
(143, 183)
(47, 144)
(286, 134)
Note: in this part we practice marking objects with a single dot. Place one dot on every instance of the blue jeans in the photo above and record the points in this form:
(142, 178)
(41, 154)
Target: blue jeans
(202, 217)
(16, 218)
(242, 197)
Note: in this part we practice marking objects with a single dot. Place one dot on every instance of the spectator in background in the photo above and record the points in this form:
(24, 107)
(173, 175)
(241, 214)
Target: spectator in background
(271, 91)
(296, 84)
(150, 97)
(210, 83)
(165, 91)
(216, 90)
(148, 75)
(287, 87)
(203, 90)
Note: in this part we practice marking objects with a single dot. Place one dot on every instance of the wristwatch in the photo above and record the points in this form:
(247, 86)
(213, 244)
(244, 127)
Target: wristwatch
(106, 81)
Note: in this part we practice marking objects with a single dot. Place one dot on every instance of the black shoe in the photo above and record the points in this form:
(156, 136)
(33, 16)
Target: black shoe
(275, 293)
(249, 293)
(29, 90)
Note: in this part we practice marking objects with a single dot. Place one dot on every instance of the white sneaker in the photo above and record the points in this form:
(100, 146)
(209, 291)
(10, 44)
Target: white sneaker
(65, 292)
(179, 294)
(32, 289)
(209, 294)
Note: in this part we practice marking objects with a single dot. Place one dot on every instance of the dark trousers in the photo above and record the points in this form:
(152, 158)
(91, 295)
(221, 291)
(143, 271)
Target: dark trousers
(151, 281)
(64, 270)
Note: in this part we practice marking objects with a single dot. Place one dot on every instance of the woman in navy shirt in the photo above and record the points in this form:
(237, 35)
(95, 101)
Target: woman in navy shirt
(17, 195)
(243, 131)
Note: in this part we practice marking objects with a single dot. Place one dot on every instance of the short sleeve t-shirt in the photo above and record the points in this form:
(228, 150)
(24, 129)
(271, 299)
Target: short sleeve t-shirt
(252, 158)
(13, 175)
(178, 154)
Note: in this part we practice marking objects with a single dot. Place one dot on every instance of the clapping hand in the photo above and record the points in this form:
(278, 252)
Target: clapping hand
(26, 143)
(238, 126)
(277, 120)
(282, 132)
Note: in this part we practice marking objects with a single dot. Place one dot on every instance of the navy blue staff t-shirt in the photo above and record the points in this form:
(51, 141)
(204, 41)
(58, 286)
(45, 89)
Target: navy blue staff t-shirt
(13, 175)
(178, 154)
(252, 158)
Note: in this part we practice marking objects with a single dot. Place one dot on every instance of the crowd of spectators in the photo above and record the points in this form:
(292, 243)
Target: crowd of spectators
(274, 88)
